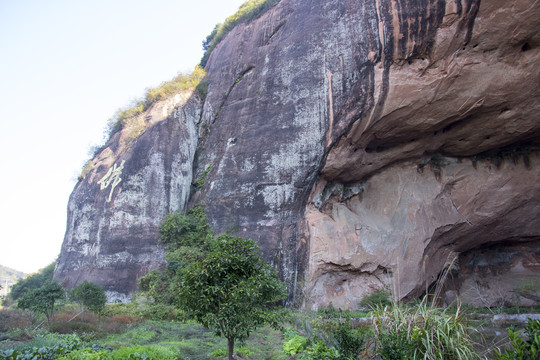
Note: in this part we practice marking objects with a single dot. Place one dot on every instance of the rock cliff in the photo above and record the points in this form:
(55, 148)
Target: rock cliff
(361, 144)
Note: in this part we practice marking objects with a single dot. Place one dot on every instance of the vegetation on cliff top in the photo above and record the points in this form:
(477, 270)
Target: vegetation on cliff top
(180, 83)
(250, 10)
(124, 117)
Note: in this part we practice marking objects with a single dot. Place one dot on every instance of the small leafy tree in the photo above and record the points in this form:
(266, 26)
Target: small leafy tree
(42, 300)
(91, 296)
(231, 290)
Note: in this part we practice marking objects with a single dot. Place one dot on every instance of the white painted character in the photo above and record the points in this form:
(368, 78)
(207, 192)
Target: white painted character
(112, 178)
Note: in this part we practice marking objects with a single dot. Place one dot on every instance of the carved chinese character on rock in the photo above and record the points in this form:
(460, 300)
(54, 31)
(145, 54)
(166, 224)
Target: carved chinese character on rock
(112, 178)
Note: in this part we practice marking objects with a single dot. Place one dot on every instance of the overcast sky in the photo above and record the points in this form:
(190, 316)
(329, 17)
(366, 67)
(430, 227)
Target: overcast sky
(65, 68)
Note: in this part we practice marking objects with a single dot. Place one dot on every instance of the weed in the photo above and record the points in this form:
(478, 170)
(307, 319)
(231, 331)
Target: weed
(200, 181)
(294, 344)
(521, 349)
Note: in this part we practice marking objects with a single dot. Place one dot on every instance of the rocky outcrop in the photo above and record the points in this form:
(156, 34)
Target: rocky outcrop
(360, 143)
(142, 174)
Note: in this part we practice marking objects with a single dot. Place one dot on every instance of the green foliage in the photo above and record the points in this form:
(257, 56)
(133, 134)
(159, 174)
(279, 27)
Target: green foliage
(221, 352)
(89, 295)
(32, 282)
(54, 347)
(295, 344)
(202, 89)
(187, 238)
(86, 169)
(231, 290)
(137, 352)
(160, 311)
(42, 300)
(319, 351)
(86, 354)
(349, 342)
(380, 297)
(329, 311)
(179, 230)
(422, 332)
(180, 83)
(248, 11)
(148, 352)
(200, 181)
(521, 349)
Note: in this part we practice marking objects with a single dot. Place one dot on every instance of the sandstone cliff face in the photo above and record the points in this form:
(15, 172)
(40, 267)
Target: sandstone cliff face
(113, 213)
(343, 137)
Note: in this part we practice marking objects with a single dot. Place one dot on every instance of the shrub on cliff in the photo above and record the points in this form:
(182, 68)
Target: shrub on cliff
(248, 11)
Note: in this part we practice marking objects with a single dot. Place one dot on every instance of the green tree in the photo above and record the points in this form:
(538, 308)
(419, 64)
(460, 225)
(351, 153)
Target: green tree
(231, 290)
(90, 296)
(32, 282)
(42, 300)
(186, 238)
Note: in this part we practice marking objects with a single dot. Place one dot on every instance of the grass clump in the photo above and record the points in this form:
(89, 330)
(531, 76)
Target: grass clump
(182, 82)
(248, 11)
(422, 332)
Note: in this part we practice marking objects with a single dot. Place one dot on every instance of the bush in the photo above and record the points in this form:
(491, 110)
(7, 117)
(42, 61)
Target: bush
(222, 352)
(319, 351)
(295, 344)
(158, 311)
(349, 342)
(380, 297)
(522, 349)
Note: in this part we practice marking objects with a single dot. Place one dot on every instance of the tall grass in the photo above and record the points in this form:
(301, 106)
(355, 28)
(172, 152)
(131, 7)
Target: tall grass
(248, 11)
(422, 332)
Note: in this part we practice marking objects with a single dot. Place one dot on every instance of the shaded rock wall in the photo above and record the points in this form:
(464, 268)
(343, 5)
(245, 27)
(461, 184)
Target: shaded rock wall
(407, 221)
(340, 135)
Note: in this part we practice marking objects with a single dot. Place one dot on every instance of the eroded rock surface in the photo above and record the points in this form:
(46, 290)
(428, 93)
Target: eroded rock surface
(408, 222)
(113, 213)
(360, 143)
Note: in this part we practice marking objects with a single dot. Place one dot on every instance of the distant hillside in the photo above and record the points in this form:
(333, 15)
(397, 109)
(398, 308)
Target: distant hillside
(9, 275)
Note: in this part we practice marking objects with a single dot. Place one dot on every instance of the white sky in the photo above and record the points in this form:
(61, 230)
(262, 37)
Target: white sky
(65, 67)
